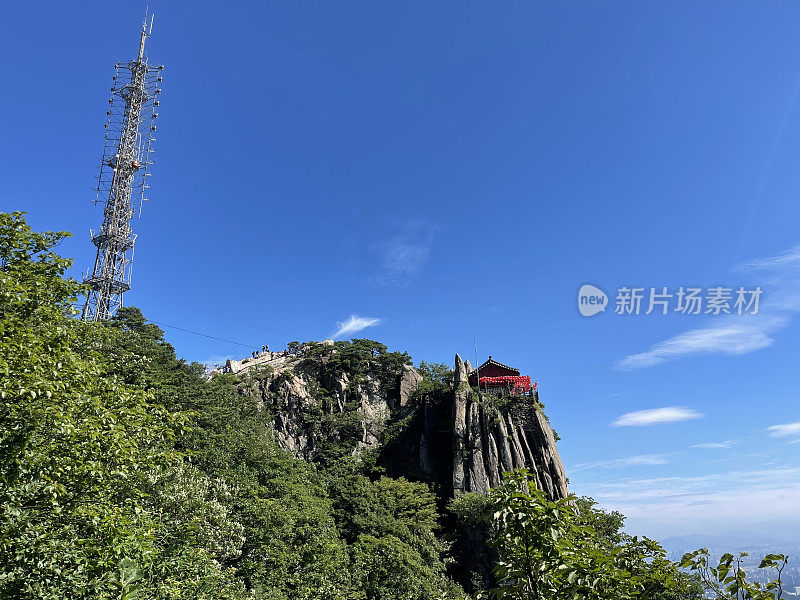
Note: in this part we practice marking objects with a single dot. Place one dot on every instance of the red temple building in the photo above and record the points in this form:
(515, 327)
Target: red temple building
(498, 378)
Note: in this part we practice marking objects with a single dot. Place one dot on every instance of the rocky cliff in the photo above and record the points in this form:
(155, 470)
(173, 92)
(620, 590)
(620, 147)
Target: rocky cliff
(327, 401)
(491, 437)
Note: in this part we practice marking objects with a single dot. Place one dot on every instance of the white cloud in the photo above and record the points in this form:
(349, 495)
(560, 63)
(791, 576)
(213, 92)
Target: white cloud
(404, 256)
(679, 505)
(788, 259)
(354, 324)
(628, 461)
(716, 445)
(730, 337)
(780, 276)
(655, 416)
(784, 430)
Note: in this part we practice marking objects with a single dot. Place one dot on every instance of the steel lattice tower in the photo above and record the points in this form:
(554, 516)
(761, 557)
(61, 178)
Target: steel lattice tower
(129, 137)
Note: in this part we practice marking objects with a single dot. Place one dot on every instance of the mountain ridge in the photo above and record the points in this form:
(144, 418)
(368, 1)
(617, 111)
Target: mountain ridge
(360, 397)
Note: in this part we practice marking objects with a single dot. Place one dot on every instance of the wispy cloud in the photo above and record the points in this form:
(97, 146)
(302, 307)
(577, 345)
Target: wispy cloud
(656, 416)
(704, 501)
(779, 277)
(785, 430)
(788, 258)
(730, 337)
(628, 461)
(404, 256)
(354, 324)
(716, 445)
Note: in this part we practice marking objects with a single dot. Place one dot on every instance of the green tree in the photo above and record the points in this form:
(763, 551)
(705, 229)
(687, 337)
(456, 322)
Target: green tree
(265, 515)
(608, 525)
(469, 528)
(547, 551)
(390, 526)
(436, 378)
(69, 443)
(78, 446)
(729, 581)
(358, 357)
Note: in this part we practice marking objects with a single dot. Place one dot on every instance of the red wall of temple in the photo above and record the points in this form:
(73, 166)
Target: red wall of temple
(495, 371)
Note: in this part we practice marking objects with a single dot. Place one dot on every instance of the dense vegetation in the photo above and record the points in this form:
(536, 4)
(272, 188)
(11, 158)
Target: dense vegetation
(126, 474)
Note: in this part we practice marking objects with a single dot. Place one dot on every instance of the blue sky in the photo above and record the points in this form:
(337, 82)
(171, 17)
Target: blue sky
(416, 166)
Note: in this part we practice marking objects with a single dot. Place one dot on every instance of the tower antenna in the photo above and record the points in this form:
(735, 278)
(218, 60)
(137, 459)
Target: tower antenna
(477, 364)
(129, 137)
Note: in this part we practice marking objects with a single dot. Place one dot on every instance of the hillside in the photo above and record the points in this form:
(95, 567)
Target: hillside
(358, 398)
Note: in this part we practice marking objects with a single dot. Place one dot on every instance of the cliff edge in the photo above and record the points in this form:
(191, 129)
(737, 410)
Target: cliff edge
(328, 401)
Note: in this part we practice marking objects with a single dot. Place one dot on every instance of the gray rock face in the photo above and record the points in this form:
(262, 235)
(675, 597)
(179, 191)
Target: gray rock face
(478, 480)
(457, 441)
(409, 382)
(459, 424)
(427, 461)
(488, 441)
(295, 392)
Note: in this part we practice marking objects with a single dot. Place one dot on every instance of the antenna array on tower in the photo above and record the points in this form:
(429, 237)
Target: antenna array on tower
(123, 180)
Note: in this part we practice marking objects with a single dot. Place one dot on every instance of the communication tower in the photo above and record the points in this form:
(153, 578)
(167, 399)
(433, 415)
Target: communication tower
(123, 180)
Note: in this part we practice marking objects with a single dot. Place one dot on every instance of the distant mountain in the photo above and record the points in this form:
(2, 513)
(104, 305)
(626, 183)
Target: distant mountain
(732, 541)
(743, 541)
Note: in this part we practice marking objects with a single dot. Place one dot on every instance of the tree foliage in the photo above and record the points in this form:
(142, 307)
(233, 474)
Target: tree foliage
(357, 357)
(547, 551)
(79, 448)
(570, 549)
(729, 580)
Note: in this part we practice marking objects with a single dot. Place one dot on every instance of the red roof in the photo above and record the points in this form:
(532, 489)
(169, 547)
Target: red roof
(492, 368)
(491, 361)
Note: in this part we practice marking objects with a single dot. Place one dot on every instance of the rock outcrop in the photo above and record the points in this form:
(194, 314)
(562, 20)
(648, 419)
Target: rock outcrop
(409, 381)
(489, 440)
(309, 406)
(457, 440)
